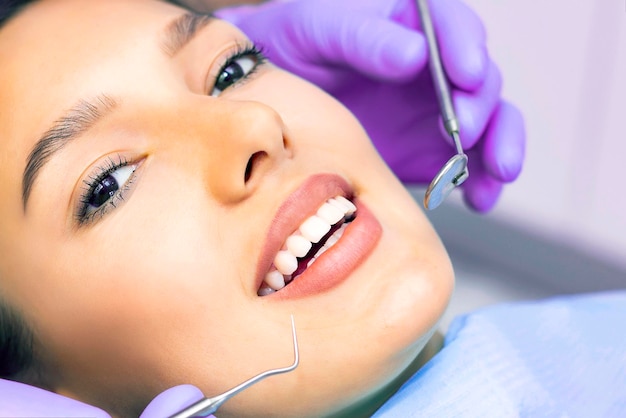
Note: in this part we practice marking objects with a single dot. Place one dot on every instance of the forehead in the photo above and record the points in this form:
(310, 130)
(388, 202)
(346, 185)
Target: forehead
(51, 48)
(57, 51)
(51, 39)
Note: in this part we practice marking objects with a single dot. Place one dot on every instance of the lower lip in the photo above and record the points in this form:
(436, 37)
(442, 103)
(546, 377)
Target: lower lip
(336, 264)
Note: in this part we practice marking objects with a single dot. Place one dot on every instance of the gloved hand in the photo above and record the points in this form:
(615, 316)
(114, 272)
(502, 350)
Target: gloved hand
(19, 400)
(172, 401)
(372, 56)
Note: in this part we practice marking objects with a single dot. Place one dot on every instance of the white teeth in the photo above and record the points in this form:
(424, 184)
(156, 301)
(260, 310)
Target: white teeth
(314, 228)
(300, 242)
(275, 280)
(330, 213)
(336, 203)
(298, 245)
(285, 262)
(350, 208)
(332, 240)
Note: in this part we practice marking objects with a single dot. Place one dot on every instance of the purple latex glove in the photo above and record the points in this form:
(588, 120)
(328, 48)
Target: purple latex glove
(172, 401)
(372, 56)
(23, 401)
(18, 400)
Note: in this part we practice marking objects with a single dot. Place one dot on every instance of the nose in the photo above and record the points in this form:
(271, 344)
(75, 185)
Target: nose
(235, 145)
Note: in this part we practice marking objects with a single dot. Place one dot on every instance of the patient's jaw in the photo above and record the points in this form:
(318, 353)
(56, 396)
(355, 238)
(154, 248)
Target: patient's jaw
(150, 229)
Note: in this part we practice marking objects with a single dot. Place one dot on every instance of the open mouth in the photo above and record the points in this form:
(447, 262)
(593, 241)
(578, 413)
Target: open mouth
(315, 236)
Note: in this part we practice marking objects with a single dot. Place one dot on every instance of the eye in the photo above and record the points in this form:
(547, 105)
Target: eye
(105, 189)
(237, 67)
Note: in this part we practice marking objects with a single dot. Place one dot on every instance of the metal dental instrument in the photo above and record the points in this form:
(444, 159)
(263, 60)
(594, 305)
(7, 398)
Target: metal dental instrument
(455, 171)
(207, 406)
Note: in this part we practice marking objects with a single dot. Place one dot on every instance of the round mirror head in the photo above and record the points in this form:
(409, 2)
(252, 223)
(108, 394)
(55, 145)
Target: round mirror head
(451, 175)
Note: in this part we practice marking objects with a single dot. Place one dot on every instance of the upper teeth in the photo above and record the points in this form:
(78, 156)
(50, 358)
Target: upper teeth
(300, 242)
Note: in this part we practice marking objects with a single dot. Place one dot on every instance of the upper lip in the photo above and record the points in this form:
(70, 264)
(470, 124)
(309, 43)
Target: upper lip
(299, 205)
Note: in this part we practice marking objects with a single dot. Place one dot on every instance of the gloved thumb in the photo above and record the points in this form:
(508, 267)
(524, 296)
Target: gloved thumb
(172, 401)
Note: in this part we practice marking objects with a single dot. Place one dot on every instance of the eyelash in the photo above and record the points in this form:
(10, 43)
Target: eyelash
(110, 166)
(241, 51)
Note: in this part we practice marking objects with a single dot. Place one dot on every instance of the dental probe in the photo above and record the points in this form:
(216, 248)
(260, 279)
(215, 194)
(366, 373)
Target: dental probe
(207, 406)
(455, 171)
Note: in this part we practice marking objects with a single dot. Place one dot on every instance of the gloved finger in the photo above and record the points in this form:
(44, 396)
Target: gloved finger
(462, 43)
(21, 400)
(172, 401)
(378, 48)
(480, 191)
(504, 143)
(474, 110)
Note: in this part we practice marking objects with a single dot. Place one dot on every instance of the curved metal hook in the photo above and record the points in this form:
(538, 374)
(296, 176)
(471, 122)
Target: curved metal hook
(207, 406)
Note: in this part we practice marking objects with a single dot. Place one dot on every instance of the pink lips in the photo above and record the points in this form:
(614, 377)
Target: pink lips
(336, 264)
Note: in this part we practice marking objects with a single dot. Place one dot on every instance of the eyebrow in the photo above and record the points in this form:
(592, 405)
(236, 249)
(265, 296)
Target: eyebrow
(85, 114)
(74, 123)
(182, 30)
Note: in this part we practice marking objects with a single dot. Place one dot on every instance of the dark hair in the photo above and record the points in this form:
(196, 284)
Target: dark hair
(9, 8)
(16, 344)
(16, 337)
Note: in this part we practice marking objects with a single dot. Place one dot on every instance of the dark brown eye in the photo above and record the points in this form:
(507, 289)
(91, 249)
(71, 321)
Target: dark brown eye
(103, 191)
(235, 70)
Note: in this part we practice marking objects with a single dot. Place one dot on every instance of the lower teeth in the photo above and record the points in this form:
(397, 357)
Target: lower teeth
(332, 240)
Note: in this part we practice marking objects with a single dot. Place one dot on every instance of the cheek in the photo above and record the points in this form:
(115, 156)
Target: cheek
(421, 271)
(143, 321)
(135, 285)
(422, 292)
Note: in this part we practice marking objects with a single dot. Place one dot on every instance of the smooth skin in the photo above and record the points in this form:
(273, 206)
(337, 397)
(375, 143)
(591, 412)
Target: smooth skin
(159, 290)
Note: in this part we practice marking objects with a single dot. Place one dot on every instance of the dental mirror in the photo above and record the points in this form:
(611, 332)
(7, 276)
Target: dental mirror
(451, 175)
(455, 172)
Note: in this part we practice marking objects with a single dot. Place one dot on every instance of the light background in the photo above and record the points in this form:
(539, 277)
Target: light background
(561, 227)
(564, 65)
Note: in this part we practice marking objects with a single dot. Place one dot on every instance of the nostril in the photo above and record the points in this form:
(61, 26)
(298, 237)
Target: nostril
(253, 162)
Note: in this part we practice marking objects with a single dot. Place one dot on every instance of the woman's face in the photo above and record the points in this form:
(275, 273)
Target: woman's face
(142, 235)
